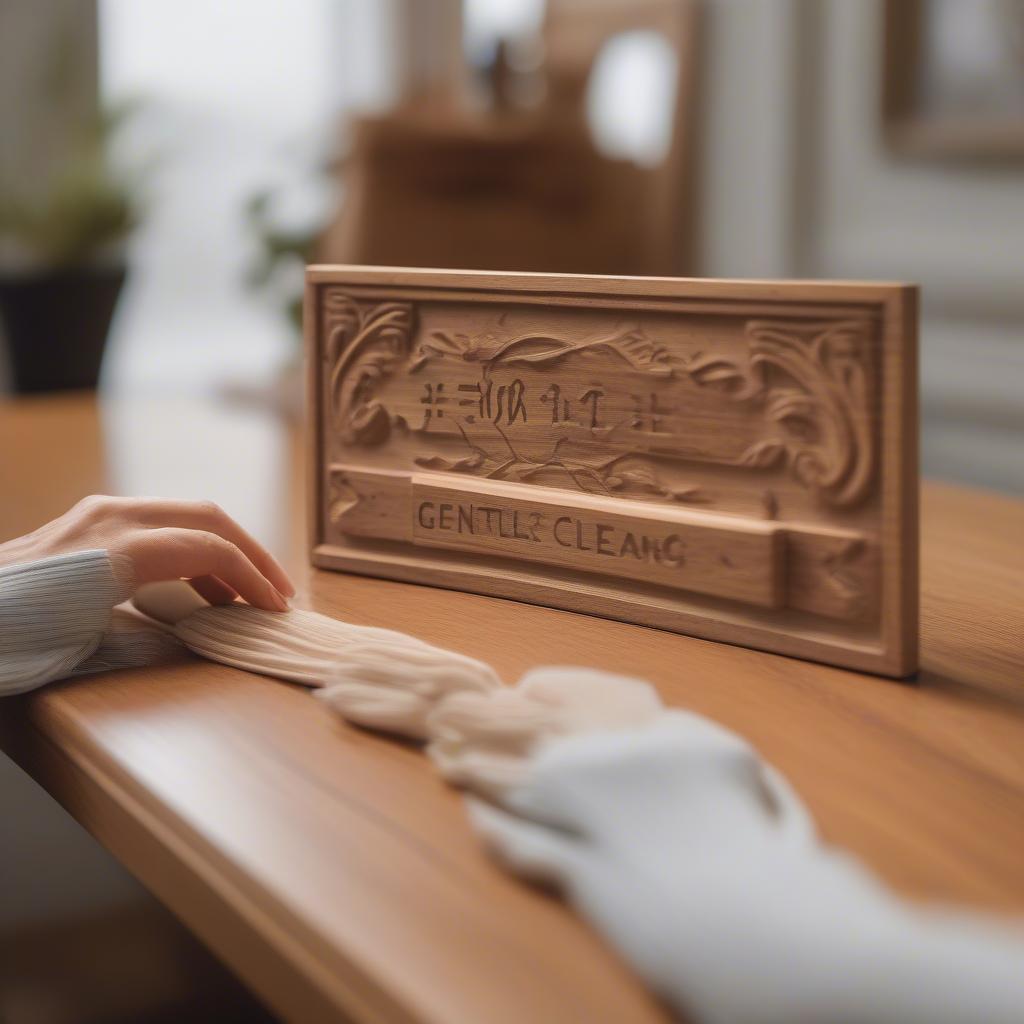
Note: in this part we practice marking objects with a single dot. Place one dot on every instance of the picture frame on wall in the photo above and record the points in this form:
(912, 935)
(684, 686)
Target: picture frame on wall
(953, 79)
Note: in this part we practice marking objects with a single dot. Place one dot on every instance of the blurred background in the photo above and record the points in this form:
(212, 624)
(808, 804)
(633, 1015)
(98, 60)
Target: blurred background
(167, 167)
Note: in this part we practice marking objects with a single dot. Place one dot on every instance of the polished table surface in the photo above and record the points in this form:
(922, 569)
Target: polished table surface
(336, 873)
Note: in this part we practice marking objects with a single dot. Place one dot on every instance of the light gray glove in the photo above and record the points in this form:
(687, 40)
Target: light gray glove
(699, 865)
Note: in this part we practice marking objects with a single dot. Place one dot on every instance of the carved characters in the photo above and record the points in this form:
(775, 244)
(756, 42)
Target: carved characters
(801, 395)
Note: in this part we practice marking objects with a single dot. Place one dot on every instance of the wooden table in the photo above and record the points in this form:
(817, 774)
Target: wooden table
(334, 871)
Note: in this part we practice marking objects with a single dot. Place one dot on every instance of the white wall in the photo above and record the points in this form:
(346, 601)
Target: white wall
(797, 183)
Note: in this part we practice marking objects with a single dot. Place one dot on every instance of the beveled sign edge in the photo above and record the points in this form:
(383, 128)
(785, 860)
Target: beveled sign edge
(896, 655)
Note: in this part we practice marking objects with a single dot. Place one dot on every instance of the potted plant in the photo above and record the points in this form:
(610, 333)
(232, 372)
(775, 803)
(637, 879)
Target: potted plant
(283, 246)
(63, 264)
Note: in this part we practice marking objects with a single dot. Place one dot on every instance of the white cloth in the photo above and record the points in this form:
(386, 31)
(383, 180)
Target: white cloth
(668, 833)
(484, 740)
(699, 865)
(57, 619)
(373, 677)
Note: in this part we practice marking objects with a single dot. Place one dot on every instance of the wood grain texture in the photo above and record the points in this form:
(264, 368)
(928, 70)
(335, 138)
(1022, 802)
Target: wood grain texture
(340, 878)
(712, 555)
(736, 460)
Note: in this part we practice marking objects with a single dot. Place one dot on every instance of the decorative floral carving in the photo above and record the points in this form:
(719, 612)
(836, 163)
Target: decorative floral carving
(816, 384)
(365, 344)
(625, 474)
(341, 497)
(632, 346)
(812, 382)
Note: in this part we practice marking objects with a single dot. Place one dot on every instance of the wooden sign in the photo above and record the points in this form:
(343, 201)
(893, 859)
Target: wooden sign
(731, 459)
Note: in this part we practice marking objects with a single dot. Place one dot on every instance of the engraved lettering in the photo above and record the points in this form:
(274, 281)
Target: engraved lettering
(629, 545)
(603, 543)
(552, 395)
(510, 404)
(558, 522)
(673, 551)
(579, 537)
(647, 412)
(536, 518)
(482, 400)
(680, 550)
(651, 549)
(433, 399)
(501, 527)
(489, 514)
(426, 508)
(592, 398)
(577, 533)
(515, 528)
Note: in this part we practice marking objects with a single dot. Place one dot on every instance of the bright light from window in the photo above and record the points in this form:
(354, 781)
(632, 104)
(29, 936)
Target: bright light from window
(631, 97)
(238, 96)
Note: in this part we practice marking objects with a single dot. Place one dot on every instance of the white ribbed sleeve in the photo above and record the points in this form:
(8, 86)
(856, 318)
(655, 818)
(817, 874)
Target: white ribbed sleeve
(57, 620)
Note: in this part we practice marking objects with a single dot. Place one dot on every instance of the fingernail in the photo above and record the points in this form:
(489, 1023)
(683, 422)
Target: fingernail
(282, 601)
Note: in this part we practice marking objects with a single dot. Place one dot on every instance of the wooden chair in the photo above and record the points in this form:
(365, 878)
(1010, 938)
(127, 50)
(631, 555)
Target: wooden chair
(431, 185)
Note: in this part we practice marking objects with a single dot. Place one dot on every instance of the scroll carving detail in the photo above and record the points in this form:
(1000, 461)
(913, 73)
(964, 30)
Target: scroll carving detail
(366, 342)
(811, 382)
(631, 346)
(815, 382)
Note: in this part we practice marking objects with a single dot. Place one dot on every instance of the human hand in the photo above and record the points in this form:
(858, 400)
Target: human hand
(163, 539)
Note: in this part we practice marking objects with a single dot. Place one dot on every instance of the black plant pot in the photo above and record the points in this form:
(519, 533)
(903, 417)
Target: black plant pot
(56, 324)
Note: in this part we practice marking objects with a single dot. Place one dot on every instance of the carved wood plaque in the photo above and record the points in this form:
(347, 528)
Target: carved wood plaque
(731, 459)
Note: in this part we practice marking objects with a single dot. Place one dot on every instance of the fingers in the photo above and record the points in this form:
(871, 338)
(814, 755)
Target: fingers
(173, 553)
(211, 518)
(193, 540)
(213, 590)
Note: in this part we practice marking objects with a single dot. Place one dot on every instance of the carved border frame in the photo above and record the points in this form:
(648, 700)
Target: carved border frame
(894, 305)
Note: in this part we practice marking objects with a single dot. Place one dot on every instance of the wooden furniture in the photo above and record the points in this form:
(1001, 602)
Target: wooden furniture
(732, 459)
(576, 34)
(985, 122)
(335, 872)
(524, 187)
(423, 189)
